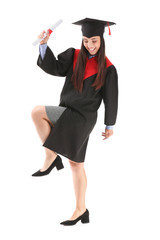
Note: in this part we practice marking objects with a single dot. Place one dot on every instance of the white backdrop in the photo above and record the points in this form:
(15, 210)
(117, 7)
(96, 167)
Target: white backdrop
(123, 171)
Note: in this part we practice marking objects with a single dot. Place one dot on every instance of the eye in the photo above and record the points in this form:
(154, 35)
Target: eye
(94, 41)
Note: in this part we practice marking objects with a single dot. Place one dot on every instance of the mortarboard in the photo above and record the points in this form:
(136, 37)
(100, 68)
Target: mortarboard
(93, 27)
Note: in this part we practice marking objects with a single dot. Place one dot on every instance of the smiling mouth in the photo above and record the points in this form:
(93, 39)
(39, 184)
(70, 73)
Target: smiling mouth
(92, 50)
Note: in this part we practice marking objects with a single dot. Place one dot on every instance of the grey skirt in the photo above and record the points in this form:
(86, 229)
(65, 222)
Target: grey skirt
(54, 112)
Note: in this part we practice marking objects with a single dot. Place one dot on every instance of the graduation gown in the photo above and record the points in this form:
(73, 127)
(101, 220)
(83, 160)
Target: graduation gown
(69, 136)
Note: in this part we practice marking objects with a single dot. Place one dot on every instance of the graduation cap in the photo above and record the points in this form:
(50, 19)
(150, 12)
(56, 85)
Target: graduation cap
(93, 27)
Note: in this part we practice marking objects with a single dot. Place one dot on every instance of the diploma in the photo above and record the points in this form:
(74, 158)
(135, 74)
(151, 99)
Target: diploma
(50, 30)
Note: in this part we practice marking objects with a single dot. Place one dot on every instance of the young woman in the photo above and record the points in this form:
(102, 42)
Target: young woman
(65, 129)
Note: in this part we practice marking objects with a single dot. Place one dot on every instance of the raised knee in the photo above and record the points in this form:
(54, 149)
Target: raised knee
(36, 112)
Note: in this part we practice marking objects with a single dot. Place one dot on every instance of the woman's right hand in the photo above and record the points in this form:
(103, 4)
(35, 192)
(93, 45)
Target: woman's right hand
(45, 40)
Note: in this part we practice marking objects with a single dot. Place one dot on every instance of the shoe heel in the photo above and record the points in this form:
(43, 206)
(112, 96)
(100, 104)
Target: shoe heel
(85, 219)
(59, 165)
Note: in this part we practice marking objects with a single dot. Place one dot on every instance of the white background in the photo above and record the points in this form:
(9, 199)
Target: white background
(123, 171)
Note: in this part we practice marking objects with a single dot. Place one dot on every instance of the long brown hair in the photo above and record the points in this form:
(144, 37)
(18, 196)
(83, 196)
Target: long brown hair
(78, 74)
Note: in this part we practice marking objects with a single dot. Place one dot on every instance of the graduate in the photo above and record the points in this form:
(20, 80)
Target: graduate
(90, 78)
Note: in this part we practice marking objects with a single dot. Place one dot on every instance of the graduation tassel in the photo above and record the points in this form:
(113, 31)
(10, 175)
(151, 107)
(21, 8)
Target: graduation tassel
(109, 29)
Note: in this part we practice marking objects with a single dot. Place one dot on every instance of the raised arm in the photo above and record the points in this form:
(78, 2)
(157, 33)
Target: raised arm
(53, 66)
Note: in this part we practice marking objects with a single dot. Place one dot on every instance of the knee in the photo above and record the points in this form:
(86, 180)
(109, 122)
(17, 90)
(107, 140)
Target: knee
(36, 112)
(76, 166)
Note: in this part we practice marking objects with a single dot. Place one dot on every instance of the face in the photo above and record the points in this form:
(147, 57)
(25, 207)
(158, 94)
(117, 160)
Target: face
(92, 44)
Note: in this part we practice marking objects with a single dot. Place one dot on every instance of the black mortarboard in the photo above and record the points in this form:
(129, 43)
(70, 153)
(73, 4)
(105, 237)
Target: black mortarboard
(93, 27)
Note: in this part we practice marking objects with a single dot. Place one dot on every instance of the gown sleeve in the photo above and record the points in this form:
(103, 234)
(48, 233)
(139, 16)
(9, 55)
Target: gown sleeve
(57, 67)
(110, 96)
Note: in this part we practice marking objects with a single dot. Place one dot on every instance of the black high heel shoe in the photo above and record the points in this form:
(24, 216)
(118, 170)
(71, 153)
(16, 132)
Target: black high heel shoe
(56, 163)
(84, 219)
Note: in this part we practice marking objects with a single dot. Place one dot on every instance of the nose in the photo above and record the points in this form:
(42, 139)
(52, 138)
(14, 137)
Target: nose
(90, 44)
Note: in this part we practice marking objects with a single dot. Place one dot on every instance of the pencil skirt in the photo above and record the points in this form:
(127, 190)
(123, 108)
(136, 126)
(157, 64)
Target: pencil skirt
(54, 112)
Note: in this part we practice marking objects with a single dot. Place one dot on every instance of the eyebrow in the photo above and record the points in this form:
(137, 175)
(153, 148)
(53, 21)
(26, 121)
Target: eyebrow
(91, 38)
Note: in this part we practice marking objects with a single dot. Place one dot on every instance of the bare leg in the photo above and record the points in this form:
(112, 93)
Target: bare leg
(80, 185)
(42, 124)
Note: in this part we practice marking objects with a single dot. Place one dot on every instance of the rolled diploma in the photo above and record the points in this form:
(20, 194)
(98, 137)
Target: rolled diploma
(50, 30)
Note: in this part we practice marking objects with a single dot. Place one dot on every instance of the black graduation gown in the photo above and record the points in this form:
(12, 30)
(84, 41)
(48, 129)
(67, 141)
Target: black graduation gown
(69, 136)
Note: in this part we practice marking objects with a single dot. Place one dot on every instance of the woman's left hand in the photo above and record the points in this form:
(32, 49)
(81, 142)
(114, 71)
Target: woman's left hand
(107, 133)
